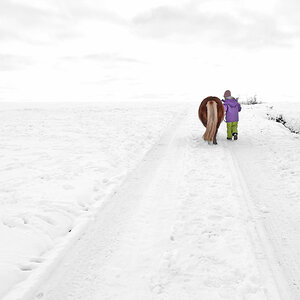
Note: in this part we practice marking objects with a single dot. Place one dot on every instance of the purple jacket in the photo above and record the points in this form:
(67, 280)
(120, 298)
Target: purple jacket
(232, 108)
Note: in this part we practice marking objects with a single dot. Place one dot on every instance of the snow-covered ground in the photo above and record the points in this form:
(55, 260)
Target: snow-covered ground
(287, 113)
(154, 212)
(57, 162)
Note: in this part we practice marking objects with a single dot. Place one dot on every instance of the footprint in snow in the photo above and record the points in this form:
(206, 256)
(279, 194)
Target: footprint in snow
(32, 264)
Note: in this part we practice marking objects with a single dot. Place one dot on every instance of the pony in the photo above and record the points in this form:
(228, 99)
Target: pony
(211, 114)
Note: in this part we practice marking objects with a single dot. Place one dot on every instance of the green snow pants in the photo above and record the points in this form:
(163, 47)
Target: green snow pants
(231, 128)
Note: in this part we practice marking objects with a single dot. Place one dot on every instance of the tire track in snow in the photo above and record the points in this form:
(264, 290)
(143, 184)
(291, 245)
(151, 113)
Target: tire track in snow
(259, 239)
(275, 225)
(267, 164)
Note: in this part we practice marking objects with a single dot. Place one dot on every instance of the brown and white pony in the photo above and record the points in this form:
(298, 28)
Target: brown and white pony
(211, 113)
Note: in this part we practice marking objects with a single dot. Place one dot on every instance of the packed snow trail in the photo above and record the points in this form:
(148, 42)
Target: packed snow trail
(269, 160)
(177, 228)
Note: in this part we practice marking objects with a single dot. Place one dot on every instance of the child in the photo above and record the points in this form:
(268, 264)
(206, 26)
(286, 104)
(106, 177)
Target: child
(232, 109)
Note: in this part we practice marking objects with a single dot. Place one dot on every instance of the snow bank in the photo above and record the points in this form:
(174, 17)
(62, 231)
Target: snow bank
(286, 113)
(57, 162)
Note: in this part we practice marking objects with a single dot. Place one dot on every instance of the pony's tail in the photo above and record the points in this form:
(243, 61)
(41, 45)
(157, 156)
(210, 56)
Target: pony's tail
(212, 120)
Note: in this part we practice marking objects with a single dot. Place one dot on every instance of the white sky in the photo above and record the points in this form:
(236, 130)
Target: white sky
(89, 50)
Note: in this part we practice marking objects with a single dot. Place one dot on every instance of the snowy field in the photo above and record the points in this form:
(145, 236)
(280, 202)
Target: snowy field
(126, 201)
(57, 163)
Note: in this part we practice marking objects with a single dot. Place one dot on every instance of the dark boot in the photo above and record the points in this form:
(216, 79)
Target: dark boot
(229, 139)
(235, 136)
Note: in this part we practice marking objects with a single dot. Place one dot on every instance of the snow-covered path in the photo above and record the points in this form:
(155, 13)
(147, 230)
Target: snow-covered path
(192, 221)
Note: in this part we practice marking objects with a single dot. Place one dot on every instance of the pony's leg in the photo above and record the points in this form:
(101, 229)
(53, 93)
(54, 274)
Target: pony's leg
(215, 141)
(215, 138)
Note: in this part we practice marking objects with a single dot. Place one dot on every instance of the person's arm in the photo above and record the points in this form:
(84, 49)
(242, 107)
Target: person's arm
(225, 106)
